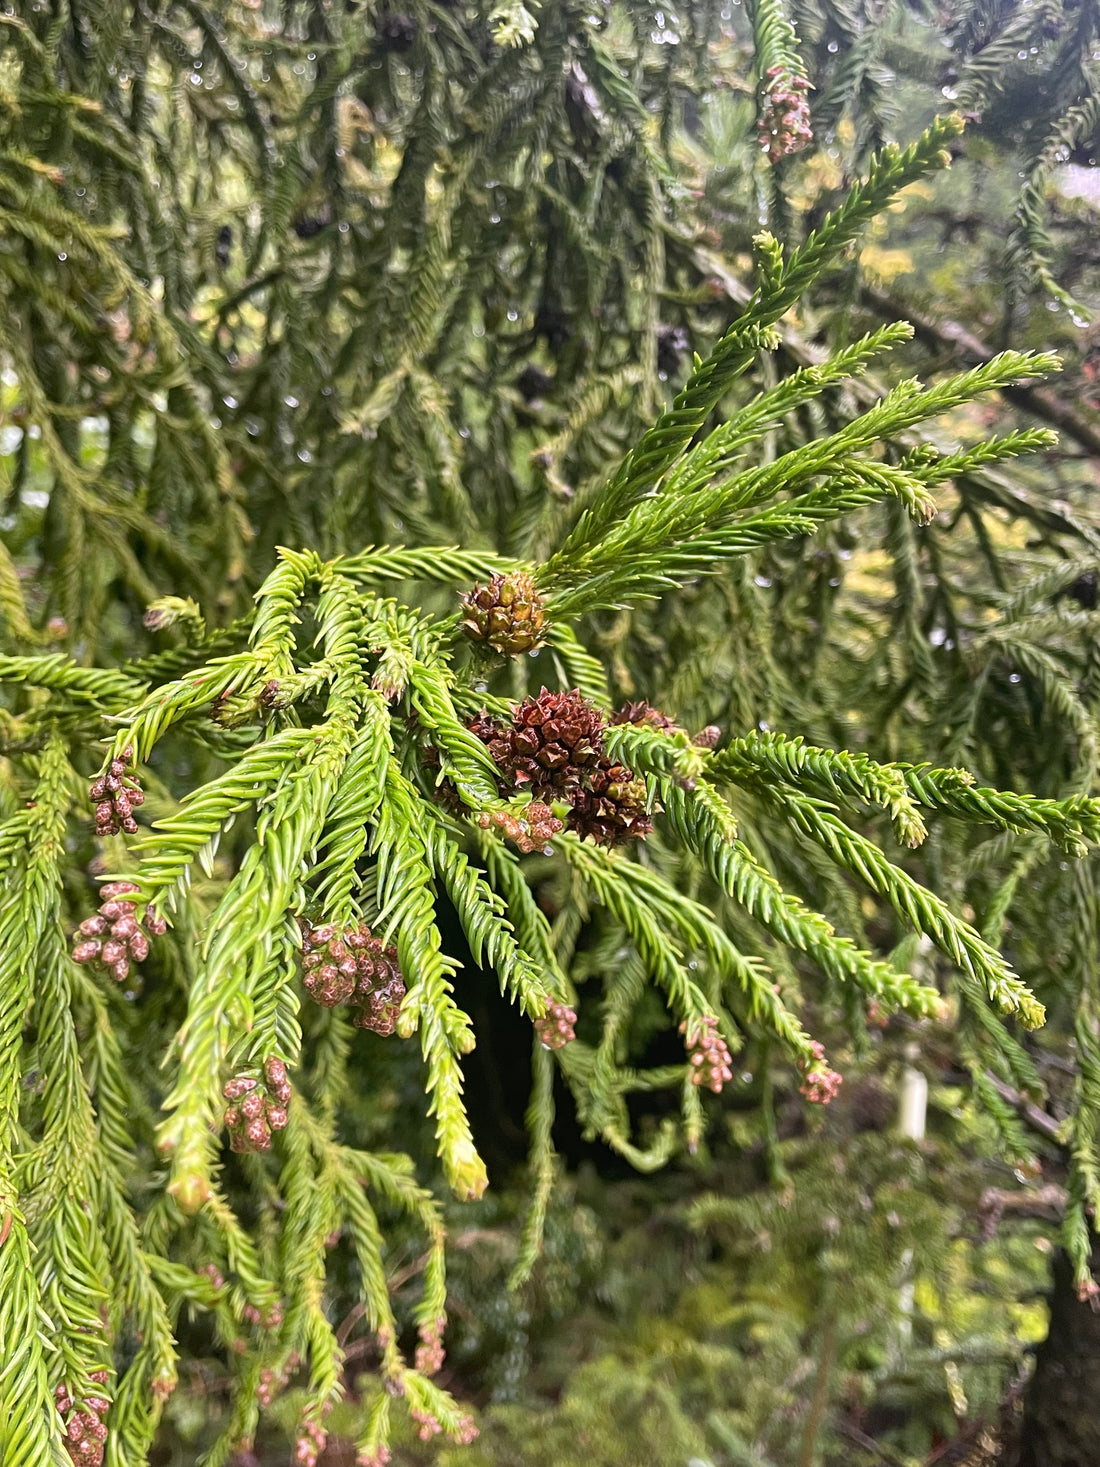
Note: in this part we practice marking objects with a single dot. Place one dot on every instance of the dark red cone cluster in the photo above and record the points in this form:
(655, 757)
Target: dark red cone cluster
(555, 749)
(819, 1083)
(116, 796)
(356, 968)
(114, 938)
(708, 1055)
(614, 807)
(554, 741)
(256, 1108)
(784, 114)
(555, 1028)
(507, 614)
(85, 1429)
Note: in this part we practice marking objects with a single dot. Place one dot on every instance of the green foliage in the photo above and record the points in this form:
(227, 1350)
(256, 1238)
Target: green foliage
(355, 276)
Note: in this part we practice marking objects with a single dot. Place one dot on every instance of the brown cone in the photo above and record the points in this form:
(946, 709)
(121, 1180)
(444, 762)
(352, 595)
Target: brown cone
(555, 740)
(614, 809)
(507, 614)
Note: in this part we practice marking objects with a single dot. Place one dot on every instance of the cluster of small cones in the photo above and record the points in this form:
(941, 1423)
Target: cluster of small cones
(556, 1027)
(85, 1428)
(114, 938)
(554, 749)
(116, 795)
(708, 1054)
(531, 830)
(819, 1083)
(785, 114)
(256, 1108)
(353, 967)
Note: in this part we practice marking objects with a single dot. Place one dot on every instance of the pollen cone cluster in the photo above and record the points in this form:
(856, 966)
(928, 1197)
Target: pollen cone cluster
(556, 1027)
(256, 1107)
(708, 1055)
(116, 796)
(114, 938)
(85, 1428)
(353, 967)
(785, 114)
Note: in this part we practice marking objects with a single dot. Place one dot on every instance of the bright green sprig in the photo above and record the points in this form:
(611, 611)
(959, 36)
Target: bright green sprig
(701, 821)
(29, 1424)
(248, 935)
(167, 854)
(95, 687)
(774, 38)
(447, 563)
(832, 773)
(666, 538)
(147, 723)
(666, 926)
(654, 751)
(407, 907)
(663, 444)
(361, 790)
(721, 449)
(488, 932)
(976, 960)
(464, 758)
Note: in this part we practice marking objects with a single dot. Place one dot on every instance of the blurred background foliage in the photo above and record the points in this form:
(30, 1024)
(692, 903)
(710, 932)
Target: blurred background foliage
(334, 274)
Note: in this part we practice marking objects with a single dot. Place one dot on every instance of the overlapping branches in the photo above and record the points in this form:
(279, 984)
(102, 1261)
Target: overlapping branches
(360, 767)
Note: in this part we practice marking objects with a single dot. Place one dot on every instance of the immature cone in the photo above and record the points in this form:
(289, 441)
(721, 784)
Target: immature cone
(116, 795)
(708, 1055)
(555, 1028)
(784, 114)
(85, 1429)
(507, 613)
(310, 1444)
(427, 1425)
(613, 809)
(256, 1108)
(329, 967)
(819, 1083)
(114, 938)
(430, 1354)
(531, 830)
(555, 740)
(379, 1010)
